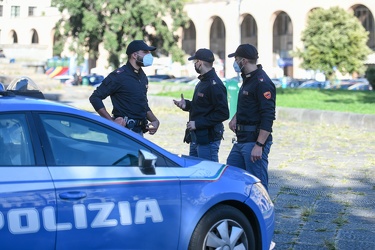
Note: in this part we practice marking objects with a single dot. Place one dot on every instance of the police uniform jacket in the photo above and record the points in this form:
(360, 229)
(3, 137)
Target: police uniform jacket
(256, 104)
(209, 106)
(127, 88)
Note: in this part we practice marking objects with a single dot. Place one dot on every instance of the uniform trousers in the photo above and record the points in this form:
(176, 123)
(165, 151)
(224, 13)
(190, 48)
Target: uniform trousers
(208, 151)
(240, 156)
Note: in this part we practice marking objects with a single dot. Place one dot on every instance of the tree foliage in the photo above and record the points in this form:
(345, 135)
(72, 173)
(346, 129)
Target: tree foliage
(334, 40)
(115, 23)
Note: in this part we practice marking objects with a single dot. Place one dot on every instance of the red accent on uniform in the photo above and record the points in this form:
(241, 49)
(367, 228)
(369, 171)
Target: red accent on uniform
(267, 95)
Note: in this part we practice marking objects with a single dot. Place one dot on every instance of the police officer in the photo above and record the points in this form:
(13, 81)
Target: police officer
(127, 87)
(207, 110)
(255, 114)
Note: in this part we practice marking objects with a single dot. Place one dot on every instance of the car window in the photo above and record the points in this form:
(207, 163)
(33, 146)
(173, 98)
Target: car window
(15, 142)
(80, 142)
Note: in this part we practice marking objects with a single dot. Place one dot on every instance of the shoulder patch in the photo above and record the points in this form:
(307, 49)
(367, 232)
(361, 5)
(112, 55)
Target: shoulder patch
(213, 82)
(119, 70)
(267, 95)
(261, 79)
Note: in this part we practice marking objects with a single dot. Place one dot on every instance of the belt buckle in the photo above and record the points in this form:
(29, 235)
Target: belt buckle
(130, 124)
(130, 121)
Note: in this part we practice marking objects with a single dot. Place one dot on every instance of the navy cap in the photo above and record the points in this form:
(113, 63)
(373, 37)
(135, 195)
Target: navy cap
(246, 51)
(204, 55)
(137, 45)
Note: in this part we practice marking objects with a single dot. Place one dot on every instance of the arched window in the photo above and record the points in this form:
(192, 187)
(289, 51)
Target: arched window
(189, 39)
(249, 31)
(13, 37)
(366, 18)
(35, 37)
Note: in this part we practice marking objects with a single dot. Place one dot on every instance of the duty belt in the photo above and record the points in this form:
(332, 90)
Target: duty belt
(246, 128)
(134, 122)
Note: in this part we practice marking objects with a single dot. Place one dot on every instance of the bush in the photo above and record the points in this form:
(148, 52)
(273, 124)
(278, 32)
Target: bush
(370, 75)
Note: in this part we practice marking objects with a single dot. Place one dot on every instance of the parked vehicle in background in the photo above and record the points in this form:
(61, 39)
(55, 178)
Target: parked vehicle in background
(295, 83)
(361, 86)
(290, 82)
(92, 79)
(352, 84)
(182, 79)
(313, 84)
(277, 82)
(159, 78)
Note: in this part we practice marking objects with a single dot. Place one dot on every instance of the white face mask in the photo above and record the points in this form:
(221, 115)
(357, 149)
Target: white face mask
(147, 60)
(237, 67)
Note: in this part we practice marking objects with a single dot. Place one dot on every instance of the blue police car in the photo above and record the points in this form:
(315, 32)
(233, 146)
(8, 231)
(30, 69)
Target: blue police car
(70, 179)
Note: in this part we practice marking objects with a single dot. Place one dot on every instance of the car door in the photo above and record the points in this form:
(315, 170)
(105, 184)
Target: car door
(104, 200)
(27, 195)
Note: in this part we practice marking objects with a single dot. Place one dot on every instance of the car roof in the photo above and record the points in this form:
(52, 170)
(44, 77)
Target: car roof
(24, 103)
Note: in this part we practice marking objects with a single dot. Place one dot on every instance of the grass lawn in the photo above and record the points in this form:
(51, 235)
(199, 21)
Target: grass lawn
(361, 102)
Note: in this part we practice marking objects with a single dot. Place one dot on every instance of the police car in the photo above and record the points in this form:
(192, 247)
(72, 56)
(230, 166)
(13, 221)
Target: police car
(70, 179)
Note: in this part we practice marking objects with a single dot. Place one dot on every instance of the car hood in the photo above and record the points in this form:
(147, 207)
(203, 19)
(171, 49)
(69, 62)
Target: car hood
(198, 167)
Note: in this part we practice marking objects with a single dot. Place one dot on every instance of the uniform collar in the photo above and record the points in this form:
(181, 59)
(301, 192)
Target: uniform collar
(130, 66)
(252, 73)
(207, 75)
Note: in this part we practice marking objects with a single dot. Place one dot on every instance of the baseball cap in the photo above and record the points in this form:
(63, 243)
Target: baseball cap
(137, 45)
(246, 51)
(204, 55)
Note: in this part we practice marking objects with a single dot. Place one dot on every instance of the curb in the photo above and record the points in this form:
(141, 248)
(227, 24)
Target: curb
(319, 117)
(364, 121)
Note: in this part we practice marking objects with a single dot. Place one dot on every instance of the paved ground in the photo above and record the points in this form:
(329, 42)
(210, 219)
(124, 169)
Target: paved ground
(321, 171)
(321, 176)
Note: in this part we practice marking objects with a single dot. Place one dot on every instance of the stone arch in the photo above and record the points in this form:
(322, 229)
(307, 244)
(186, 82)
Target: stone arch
(367, 19)
(283, 42)
(217, 40)
(13, 38)
(34, 37)
(189, 36)
(217, 43)
(249, 30)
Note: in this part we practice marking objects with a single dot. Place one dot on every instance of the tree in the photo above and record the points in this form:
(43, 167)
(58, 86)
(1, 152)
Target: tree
(333, 40)
(115, 23)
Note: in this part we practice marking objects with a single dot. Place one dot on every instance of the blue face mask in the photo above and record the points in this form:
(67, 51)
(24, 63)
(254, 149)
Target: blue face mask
(147, 60)
(237, 67)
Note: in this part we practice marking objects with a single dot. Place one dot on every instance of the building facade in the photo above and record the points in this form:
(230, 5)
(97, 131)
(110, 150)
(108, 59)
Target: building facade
(273, 26)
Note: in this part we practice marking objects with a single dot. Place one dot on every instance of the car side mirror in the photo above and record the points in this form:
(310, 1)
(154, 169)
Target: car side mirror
(146, 162)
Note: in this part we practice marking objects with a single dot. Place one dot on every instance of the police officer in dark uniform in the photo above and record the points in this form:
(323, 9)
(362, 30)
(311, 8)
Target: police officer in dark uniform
(207, 110)
(255, 114)
(127, 87)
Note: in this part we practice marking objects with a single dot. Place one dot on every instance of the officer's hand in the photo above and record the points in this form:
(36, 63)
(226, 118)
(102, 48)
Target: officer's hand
(191, 125)
(181, 104)
(256, 153)
(232, 124)
(120, 120)
(152, 127)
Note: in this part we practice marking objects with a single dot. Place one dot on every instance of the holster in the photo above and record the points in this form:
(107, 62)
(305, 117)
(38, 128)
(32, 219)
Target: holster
(187, 136)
